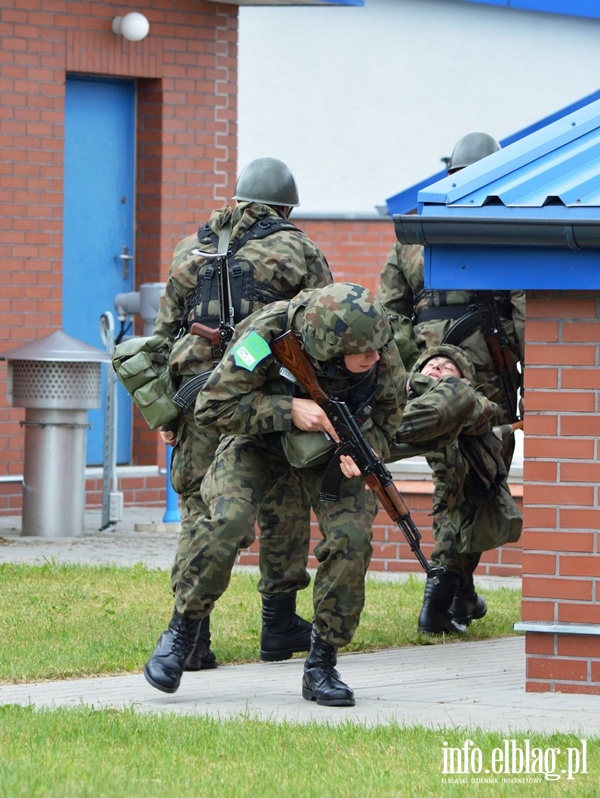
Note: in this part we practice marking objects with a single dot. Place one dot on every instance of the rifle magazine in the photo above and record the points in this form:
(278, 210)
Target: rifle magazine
(186, 395)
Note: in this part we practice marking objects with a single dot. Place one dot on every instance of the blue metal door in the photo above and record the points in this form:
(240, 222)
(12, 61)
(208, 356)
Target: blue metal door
(98, 225)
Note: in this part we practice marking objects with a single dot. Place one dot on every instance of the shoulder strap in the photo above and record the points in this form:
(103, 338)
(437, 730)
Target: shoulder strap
(260, 229)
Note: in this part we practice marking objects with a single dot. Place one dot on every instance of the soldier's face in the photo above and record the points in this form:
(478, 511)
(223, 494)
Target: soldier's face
(439, 367)
(360, 364)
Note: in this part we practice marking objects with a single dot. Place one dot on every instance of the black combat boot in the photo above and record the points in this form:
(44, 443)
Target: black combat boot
(435, 618)
(321, 682)
(165, 667)
(202, 658)
(468, 605)
(283, 632)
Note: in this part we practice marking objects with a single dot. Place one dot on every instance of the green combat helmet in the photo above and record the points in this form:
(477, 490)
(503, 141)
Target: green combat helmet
(344, 319)
(471, 148)
(267, 180)
(459, 356)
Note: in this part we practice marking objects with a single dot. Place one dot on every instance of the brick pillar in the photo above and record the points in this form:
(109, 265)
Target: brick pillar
(561, 546)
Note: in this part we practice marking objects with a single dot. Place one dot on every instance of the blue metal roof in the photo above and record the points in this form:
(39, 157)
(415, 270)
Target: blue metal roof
(538, 176)
(527, 216)
(406, 201)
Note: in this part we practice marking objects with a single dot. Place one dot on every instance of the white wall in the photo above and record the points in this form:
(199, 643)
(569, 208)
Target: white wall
(363, 102)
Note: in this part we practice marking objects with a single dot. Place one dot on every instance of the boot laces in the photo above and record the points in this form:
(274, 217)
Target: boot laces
(181, 640)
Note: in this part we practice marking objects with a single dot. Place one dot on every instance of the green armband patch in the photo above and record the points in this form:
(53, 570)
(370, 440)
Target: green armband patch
(250, 351)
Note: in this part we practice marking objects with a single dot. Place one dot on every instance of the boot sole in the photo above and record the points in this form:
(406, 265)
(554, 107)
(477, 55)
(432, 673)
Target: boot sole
(158, 685)
(278, 656)
(430, 631)
(466, 621)
(341, 702)
(209, 666)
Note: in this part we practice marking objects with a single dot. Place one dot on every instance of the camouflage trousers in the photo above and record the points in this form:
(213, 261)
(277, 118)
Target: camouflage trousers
(240, 476)
(283, 516)
(445, 550)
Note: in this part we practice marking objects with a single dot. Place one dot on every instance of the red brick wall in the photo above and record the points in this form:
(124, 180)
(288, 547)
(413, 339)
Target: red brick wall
(356, 249)
(561, 557)
(186, 160)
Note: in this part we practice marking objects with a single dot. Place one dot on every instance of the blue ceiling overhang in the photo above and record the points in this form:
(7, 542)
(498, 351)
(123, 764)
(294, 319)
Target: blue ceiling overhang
(571, 8)
(291, 2)
(527, 216)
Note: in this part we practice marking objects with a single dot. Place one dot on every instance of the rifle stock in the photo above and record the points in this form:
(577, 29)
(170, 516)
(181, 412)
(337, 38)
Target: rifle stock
(288, 350)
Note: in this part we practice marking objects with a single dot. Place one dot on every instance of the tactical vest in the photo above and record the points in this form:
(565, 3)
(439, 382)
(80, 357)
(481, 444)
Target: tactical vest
(244, 289)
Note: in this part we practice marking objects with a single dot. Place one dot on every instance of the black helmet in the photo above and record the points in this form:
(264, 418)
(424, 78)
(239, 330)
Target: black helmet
(267, 180)
(471, 148)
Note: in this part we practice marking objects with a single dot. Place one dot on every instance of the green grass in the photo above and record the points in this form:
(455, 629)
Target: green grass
(81, 753)
(64, 621)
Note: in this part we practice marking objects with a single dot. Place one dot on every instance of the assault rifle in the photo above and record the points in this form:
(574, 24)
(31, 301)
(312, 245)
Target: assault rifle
(484, 315)
(288, 350)
(221, 335)
(218, 336)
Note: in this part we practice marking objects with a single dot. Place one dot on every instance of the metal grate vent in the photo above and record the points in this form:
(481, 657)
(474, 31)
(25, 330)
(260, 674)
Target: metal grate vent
(51, 384)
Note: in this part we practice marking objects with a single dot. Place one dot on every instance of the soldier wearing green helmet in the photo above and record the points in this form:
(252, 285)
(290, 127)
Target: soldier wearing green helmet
(422, 318)
(271, 260)
(345, 333)
(267, 180)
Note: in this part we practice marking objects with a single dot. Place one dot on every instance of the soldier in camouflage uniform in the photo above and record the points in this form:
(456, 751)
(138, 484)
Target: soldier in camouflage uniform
(273, 261)
(421, 318)
(468, 471)
(345, 333)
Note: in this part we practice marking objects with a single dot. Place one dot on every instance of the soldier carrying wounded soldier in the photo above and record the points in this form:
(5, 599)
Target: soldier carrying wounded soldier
(345, 333)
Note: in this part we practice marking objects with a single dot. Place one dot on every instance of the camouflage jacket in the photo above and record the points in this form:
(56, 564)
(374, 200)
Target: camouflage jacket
(284, 263)
(430, 417)
(402, 291)
(472, 454)
(255, 400)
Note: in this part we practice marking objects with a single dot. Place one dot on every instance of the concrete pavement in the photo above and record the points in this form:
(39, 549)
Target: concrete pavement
(473, 685)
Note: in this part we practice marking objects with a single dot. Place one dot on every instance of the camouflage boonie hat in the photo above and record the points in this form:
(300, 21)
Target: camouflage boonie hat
(344, 319)
(459, 356)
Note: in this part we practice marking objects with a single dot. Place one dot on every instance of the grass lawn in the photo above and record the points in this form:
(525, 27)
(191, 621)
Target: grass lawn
(65, 621)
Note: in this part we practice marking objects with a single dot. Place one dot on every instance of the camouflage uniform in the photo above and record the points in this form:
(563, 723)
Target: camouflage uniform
(283, 264)
(449, 466)
(468, 473)
(253, 406)
(402, 291)
(250, 402)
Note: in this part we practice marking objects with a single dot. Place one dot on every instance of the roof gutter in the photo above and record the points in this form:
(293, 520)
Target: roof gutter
(583, 234)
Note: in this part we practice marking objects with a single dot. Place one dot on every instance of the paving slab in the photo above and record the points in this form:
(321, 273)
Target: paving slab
(470, 685)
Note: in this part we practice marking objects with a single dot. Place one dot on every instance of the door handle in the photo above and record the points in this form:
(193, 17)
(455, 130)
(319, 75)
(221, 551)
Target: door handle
(125, 257)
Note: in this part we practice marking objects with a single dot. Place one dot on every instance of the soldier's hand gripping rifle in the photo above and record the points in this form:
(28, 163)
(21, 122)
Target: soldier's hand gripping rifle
(288, 350)
(218, 336)
(485, 315)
